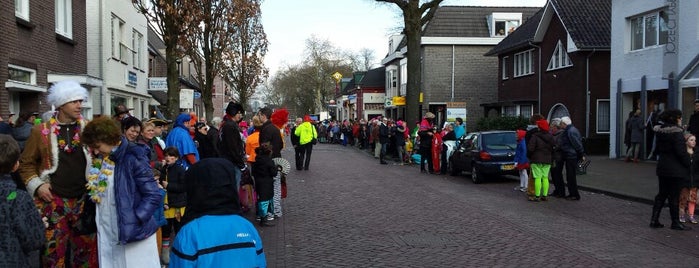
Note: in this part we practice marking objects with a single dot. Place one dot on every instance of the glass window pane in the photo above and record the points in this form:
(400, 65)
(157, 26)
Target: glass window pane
(500, 28)
(512, 26)
(651, 30)
(663, 32)
(636, 33)
(19, 75)
(603, 116)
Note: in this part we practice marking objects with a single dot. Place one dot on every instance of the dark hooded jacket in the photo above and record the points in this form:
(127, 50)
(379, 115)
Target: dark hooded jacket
(211, 189)
(672, 151)
(230, 144)
(264, 170)
(270, 133)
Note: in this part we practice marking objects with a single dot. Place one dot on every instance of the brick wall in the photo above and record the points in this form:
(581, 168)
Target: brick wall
(37, 47)
(475, 78)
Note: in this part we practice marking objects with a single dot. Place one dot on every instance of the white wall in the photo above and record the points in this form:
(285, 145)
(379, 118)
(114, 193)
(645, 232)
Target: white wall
(99, 53)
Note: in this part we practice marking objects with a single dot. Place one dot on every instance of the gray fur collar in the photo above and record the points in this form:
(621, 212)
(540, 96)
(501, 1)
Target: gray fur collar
(668, 129)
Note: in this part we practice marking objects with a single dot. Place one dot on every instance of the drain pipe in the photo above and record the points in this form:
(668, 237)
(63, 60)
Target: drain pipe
(100, 60)
(587, 92)
(452, 71)
(538, 100)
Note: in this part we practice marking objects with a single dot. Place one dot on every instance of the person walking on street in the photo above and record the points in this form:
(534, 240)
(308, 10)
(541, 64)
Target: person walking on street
(673, 166)
(573, 151)
(635, 126)
(540, 145)
(307, 138)
(54, 165)
(295, 140)
(126, 226)
(688, 194)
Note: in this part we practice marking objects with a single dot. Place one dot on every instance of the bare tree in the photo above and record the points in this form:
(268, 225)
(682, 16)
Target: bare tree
(167, 17)
(209, 37)
(415, 16)
(244, 60)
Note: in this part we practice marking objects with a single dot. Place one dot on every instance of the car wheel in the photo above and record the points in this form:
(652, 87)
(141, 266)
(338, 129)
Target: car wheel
(476, 176)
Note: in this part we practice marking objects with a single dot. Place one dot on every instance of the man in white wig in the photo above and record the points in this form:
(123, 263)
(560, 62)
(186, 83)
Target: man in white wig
(54, 165)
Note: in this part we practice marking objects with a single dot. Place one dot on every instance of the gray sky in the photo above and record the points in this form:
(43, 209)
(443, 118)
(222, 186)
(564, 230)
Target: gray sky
(348, 24)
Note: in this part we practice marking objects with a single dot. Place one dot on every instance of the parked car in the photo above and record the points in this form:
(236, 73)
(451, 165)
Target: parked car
(484, 154)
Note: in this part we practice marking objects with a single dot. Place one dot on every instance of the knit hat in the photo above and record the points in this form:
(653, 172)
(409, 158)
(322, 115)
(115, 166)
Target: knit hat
(66, 91)
(233, 108)
(429, 115)
(543, 125)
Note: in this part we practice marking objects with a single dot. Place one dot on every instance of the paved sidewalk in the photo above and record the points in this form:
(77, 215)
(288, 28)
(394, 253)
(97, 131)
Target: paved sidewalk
(615, 177)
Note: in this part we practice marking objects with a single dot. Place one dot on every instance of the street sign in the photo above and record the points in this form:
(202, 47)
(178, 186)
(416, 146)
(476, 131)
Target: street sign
(186, 98)
(337, 76)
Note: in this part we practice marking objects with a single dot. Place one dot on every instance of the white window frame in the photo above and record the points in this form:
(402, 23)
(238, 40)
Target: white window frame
(22, 9)
(559, 59)
(117, 25)
(136, 41)
(660, 38)
(32, 75)
(503, 65)
(528, 107)
(64, 18)
(523, 64)
(508, 18)
(608, 120)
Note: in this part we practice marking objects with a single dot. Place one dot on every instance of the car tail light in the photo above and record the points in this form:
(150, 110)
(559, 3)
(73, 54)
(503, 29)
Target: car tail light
(485, 155)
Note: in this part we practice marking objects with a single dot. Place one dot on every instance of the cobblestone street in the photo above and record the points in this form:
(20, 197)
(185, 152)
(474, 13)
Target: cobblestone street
(349, 211)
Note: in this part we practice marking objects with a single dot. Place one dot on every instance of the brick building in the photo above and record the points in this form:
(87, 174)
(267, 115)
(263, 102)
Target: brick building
(43, 42)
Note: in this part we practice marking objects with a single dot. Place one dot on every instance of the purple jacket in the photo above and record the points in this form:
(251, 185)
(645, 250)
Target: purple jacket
(138, 196)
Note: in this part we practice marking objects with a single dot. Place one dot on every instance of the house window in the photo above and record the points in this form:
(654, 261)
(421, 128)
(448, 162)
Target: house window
(503, 65)
(22, 9)
(64, 18)
(560, 58)
(525, 111)
(603, 116)
(117, 34)
(509, 111)
(523, 63)
(136, 42)
(648, 30)
(21, 74)
(502, 24)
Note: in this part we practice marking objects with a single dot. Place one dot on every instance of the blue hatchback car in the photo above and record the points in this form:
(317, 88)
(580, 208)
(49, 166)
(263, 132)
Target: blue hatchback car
(488, 153)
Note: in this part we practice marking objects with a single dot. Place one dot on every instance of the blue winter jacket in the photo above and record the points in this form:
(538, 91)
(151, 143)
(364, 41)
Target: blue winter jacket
(521, 153)
(137, 193)
(218, 241)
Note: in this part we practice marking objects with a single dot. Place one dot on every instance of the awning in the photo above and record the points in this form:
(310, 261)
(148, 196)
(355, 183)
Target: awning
(83, 79)
(159, 95)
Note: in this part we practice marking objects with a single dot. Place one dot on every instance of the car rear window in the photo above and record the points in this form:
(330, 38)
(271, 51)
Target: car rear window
(499, 141)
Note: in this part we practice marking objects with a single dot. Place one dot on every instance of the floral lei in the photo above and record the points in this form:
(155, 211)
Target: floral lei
(62, 144)
(96, 185)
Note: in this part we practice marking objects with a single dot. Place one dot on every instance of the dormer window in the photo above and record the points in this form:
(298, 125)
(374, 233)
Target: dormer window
(503, 24)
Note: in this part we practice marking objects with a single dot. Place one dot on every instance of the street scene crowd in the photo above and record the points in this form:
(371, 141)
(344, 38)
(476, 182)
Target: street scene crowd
(125, 192)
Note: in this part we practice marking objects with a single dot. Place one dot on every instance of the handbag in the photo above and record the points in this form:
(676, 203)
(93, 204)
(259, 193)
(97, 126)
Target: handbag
(87, 221)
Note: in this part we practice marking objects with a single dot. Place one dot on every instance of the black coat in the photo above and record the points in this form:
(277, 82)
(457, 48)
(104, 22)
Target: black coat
(270, 133)
(263, 171)
(692, 181)
(230, 144)
(176, 189)
(673, 159)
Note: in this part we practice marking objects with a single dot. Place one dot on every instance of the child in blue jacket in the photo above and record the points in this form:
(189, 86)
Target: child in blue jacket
(521, 161)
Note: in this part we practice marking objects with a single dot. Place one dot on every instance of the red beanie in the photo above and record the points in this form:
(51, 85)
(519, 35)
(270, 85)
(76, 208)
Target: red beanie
(543, 125)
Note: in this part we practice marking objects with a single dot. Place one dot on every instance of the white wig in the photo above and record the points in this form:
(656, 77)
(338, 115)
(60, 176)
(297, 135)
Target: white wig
(64, 92)
(566, 120)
